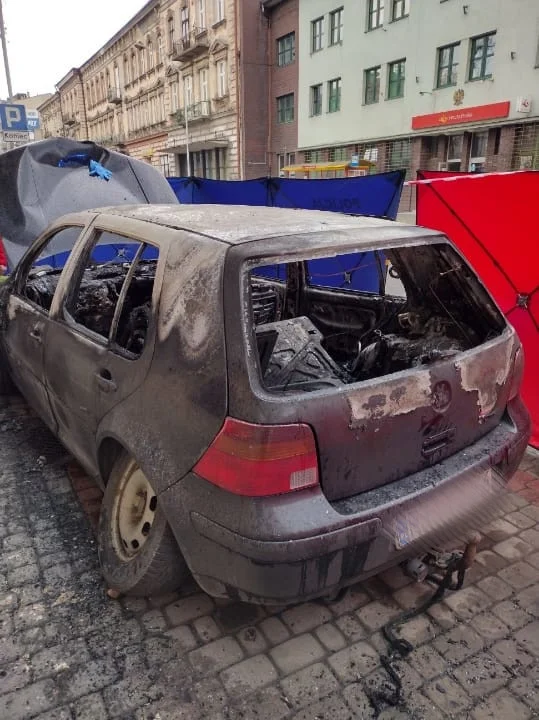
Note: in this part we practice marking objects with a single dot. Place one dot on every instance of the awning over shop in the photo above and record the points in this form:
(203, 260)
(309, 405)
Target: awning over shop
(328, 166)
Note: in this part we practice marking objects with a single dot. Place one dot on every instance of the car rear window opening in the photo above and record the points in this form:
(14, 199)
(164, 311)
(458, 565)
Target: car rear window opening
(324, 322)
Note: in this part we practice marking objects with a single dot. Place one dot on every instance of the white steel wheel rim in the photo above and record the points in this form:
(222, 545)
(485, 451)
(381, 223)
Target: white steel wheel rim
(133, 513)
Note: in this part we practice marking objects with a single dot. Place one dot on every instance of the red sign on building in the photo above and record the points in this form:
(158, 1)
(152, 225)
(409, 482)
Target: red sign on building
(461, 115)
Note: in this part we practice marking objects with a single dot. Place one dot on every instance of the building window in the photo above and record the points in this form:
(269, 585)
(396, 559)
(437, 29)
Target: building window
(372, 85)
(395, 87)
(399, 155)
(159, 50)
(188, 90)
(286, 49)
(143, 62)
(203, 84)
(164, 165)
(174, 96)
(337, 154)
(316, 99)
(222, 85)
(448, 61)
(151, 57)
(134, 66)
(127, 71)
(285, 108)
(202, 14)
(219, 10)
(335, 27)
(481, 56)
(184, 21)
(479, 144)
(334, 95)
(317, 34)
(400, 9)
(375, 17)
(454, 152)
(170, 31)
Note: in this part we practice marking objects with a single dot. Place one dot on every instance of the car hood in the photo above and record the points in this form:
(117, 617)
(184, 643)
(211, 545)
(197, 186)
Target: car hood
(36, 191)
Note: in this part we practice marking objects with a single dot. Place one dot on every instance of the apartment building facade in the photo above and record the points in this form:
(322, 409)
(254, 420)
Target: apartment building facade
(283, 31)
(432, 84)
(181, 77)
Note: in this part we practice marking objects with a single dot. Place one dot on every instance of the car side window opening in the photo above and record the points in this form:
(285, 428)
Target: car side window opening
(45, 268)
(343, 319)
(112, 296)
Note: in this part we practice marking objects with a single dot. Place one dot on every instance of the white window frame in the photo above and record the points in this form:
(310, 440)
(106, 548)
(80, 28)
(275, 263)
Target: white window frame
(184, 23)
(202, 14)
(188, 90)
(317, 34)
(222, 84)
(174, 96)
(203, 84)
(375, 11)
(219, 10)
(336, 26)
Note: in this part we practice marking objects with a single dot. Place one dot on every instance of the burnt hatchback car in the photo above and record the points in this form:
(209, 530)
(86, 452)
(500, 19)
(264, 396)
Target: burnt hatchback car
(261, 402)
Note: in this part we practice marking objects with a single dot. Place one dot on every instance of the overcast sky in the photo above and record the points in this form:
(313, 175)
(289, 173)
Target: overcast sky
(46, 38)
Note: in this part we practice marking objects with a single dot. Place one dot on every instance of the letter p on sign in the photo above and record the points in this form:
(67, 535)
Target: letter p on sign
(13, 117)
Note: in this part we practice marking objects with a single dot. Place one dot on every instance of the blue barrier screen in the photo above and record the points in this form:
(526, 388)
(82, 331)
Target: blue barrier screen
(376, 195)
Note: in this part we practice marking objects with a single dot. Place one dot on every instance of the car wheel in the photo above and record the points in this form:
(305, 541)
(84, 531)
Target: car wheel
(137, 550)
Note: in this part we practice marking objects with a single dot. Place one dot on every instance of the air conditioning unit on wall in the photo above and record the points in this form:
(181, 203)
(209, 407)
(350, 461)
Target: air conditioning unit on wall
(442, 166)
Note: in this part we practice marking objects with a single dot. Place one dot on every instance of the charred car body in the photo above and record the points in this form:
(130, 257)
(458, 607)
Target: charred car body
(252, 413)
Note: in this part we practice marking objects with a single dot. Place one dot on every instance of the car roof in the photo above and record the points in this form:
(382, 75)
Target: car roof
(237, 224)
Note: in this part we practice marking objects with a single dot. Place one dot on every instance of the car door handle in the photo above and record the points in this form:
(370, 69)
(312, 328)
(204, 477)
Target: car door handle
(105, 381)
(35, 334)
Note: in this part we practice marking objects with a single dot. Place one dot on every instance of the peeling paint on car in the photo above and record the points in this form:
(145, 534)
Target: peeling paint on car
(486, 375)
(401, 395)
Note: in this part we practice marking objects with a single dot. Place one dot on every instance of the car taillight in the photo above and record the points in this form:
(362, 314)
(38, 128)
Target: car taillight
(257, 460)
(516, 375)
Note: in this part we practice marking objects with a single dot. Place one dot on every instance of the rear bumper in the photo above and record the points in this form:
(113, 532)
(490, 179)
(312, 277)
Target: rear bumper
(299, 546)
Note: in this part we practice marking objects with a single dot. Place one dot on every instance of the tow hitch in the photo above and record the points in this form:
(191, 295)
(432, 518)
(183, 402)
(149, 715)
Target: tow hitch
(446, 572)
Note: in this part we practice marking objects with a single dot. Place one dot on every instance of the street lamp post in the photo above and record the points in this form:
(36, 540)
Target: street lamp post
(186, 113)
(4, 51)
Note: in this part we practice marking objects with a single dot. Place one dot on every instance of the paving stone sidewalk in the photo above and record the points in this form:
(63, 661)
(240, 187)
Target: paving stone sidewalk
(68, 652)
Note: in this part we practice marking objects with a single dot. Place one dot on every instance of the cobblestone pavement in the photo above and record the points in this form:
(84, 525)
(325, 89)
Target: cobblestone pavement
(68, 652)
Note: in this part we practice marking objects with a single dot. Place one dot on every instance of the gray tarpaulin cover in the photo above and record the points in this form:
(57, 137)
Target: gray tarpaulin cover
(35, 191)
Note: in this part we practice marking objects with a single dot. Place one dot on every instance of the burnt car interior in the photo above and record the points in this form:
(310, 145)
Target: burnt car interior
(114, 274)
(338, 320)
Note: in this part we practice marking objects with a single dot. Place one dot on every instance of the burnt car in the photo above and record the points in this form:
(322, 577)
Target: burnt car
(261, 402)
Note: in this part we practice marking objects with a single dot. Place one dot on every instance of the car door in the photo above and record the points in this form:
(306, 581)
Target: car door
(28, 316)
(92, 362)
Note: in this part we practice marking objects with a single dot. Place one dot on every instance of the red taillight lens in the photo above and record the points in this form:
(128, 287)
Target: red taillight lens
(516, 376)
(256, 460)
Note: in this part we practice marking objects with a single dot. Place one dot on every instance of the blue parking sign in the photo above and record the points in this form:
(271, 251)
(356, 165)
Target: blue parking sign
(13, 117)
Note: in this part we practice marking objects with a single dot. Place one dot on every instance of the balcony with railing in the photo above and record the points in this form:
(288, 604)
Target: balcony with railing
(195, 112)
(114, 95)
(191, 45)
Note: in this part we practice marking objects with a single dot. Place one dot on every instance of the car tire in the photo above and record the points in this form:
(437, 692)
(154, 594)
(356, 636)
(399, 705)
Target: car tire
(138, 553)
